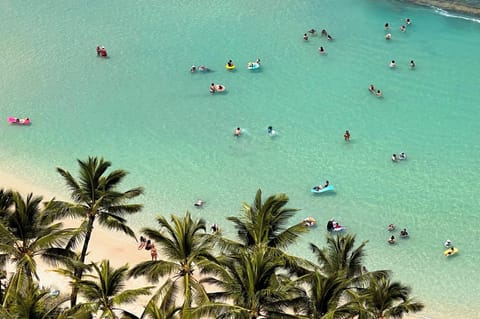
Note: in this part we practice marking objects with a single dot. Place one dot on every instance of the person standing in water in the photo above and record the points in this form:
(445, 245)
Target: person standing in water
(346, 136)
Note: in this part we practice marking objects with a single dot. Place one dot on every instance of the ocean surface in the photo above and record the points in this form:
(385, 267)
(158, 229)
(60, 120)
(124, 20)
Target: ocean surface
(145, 112)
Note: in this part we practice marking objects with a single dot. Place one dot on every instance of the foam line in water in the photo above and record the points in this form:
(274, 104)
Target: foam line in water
(450, 15)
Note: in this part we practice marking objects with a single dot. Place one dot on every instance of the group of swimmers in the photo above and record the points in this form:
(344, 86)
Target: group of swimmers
(403, 234)
(323, 33)
(101, 51)
(372, 90)
(270, 131)
(403, 28)
(402, 156)
(200, 68)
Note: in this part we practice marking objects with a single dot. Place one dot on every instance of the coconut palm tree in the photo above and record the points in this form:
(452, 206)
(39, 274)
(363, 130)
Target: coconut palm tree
(385, 299)
(186, 249)
(35, 303)
(27, 231)
(340, 256)
(265, 223)
(96, 198)
(106, 294)
(253, 284)
(161, 305)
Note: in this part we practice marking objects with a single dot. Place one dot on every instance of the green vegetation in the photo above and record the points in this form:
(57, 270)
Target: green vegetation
(197, 274)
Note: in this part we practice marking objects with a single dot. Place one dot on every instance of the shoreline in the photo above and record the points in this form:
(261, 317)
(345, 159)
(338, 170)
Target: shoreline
(447, 5)
(104, 244)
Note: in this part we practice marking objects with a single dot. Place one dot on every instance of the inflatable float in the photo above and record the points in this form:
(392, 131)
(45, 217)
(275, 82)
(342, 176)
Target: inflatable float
(317, 190)
(14, 120)
(253, 65)
(220, 88)
(450, 251)
(309, 221)
(230, 67)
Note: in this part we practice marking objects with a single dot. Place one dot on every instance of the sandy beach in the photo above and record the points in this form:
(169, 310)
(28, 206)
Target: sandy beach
(117, 248)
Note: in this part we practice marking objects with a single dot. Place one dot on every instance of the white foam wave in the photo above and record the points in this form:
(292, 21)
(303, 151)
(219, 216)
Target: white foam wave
(451, 15)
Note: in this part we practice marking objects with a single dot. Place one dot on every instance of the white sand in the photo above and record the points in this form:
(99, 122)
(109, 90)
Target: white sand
(120, 249)
(114, 246)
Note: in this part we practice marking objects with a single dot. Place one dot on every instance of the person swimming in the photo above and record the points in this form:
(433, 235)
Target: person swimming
(230, 63)
(388, 36)
(193, 69)
(257, 60)
(321, 50)
(392, 64)
(378, 93)
(312, 31)
(391, 240)
(305, 37)
(387, 26)
(391, 227)
(402, 156)
(371, 88)
(404, 233)
(412, 64)
(346, 136)
(448, 243)
(329, 37)
(394, 157)
(237, 132)
(270, 130)
(212, 88)
(403, 28)
(199, 203)
(408, 21)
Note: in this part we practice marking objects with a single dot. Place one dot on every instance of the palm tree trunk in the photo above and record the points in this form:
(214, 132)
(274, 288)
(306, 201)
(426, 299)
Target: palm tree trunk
(79, 271)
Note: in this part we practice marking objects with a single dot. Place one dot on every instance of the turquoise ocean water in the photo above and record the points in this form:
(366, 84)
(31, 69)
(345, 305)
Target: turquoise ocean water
(143, 110)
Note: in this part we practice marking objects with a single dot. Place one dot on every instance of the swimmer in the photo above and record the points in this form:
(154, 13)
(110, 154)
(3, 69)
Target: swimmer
(448, 243)
(193, 69)
(388, 36)
(203, 68)
(391, 227)
(212, 88)
(237, 132)
(214, 228)
(270, 130)
(312, 31)
(403, 156)
(378, 93)
(199, 203)
(346, 136)
(387, 26)
(404, 233)
(412, 64)
(321, 50)
(392, 64)
(305, 37)
(230, 63)
(408, 21)
(329, 37)
(257, 61)
(324, 32)
(391, 240)
(371, 88)
(403, 28)
(394, 157)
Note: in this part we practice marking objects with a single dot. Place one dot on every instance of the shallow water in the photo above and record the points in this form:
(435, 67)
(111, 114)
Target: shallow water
(143, 110)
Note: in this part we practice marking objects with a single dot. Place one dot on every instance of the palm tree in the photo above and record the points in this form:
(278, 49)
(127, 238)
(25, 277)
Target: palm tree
(340, 257)
(35, 303)
(27, 231)
(106, 293)
(161, 305)
(96, 198)
(265, 223)
(253, 284)
(185, 248)
(386, 299)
